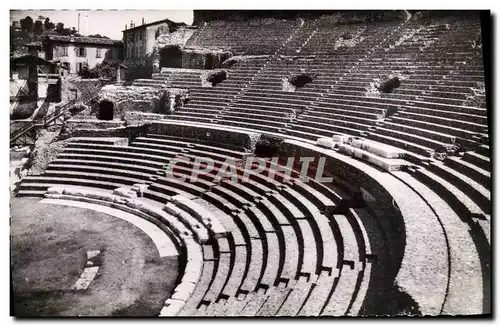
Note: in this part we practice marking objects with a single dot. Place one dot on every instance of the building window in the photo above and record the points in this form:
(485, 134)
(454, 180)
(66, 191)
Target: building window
(64, 51)
(98, 53)
(80, 66)
(81, 52)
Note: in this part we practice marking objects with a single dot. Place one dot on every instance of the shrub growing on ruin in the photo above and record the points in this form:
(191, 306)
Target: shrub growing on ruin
(217, 77)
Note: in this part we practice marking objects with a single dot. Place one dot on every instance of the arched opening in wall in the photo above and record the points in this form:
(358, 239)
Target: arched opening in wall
(171, 57)
(106, 110)
(209, 61)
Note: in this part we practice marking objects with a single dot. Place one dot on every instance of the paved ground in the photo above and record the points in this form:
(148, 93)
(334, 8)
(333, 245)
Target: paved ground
(48, 254)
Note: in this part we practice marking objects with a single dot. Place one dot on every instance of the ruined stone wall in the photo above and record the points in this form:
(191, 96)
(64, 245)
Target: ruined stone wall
(86, 88)
(232, 138)
(133, 98)
(178, 37)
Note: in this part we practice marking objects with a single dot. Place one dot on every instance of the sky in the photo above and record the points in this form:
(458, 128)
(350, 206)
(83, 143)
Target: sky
(109, 23)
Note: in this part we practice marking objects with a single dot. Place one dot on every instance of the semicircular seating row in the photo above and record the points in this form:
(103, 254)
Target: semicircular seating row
(438, 106)
(289, 247)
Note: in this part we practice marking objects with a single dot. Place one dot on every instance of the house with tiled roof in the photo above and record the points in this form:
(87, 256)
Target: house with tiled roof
(76, 52)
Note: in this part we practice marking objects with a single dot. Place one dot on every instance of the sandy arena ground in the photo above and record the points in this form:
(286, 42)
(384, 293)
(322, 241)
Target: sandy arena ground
(49, 245)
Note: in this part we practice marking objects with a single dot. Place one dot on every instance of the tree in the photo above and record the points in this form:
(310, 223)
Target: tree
(48, 24)
(38, 27)
(106, 69)
(27, 24)
(59, 27)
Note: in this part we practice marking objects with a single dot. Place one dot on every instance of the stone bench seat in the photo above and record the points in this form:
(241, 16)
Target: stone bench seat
(221, 149)
(318, 297)
(288, 98)
(426, 133)
(57, 168)
(454, 123)
(478, 193)
(459, 134)
(231, 196)
(122, 152)
(170, 149)
(361, 91)
(238, 271)
(106, 162)
(328, 129)
(255, 125)
(185, 186)
(241, 189)
(296, 299)
(465, 278)
(153, 139)
(483, 150)
(310, 252)
(196, 227)
(481, 161)
(292, 254)
(197, 109)
(409, 135)
(110, 141)
(402, 144)
(201, 214)
(200, 290)
(191, 117)
(266, 106)
(38, 185)
(477, 174)
(456, 198)
(272, 92)
(221, 203)
(288, 209)
(476, 119)
(90, 177)
(343, 293)
(185, 172)
(272, 103)
(256, 268)
(350, 243)
(202, 101)
(236, 113)
(275, 299)
(162, 193)
(334, 118)
(222, 274)
(235, 110)
(333, 105)
(318, 198)
(201, 92)
(308, 135)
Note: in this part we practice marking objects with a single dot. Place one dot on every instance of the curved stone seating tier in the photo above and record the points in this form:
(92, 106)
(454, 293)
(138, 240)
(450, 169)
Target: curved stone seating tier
(478, 193)
(465, 289)
(478, 159)
(275, 247)
(181, 236)
(247, 38)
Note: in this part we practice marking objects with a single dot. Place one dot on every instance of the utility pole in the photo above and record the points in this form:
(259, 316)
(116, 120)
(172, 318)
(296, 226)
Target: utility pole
(78, 23)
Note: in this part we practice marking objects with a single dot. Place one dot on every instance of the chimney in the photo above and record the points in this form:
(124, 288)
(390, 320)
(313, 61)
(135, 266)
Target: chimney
(143, 20)
(125, 26)
(131, 24)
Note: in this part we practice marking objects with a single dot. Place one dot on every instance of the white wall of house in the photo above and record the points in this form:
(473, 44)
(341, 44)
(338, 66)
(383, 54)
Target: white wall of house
(77, 54)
